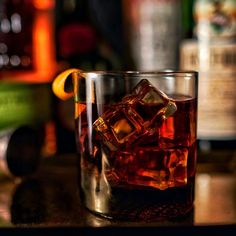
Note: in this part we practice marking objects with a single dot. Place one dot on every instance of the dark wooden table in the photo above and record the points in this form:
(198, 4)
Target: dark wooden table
(48, 202)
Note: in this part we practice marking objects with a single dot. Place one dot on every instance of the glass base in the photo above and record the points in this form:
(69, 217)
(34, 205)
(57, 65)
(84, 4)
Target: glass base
(143, 204)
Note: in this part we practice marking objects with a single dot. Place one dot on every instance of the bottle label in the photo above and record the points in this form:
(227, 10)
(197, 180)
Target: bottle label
(215, 19)
(222, 57)
(216, 94)
(217, 106)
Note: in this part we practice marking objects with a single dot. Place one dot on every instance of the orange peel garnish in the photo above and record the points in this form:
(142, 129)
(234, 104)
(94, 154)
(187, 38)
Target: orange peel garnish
(58, 85)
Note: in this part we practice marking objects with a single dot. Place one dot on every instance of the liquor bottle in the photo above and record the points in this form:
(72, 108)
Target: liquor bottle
(152, 33)
(26, 43)
(213, 54)
(187, 22)
(27, 64)
(79, 45)
(19, 151)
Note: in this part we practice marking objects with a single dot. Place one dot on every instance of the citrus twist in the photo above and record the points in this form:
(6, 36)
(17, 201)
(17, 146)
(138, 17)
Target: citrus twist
(58, 85)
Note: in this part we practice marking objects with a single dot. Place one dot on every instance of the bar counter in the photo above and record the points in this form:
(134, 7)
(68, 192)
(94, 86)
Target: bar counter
(48, 202)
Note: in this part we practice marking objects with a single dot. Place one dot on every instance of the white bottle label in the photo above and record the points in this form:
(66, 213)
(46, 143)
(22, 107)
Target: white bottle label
(217, 86)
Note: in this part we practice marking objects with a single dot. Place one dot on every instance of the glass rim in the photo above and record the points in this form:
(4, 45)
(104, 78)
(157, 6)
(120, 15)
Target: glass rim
(166, 72)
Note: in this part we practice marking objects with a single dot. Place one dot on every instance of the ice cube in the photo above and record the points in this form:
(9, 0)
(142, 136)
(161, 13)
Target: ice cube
(152, 105)
(118, 127)
(176, 162)
(149, 166)
(139, 115)
(106, 136)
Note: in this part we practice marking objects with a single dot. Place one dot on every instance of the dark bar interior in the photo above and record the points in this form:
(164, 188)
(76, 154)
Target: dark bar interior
(40, 190)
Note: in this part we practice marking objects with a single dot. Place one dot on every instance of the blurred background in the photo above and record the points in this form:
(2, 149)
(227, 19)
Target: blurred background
(41, 38)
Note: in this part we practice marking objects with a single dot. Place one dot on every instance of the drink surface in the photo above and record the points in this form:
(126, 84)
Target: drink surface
(156, 173)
